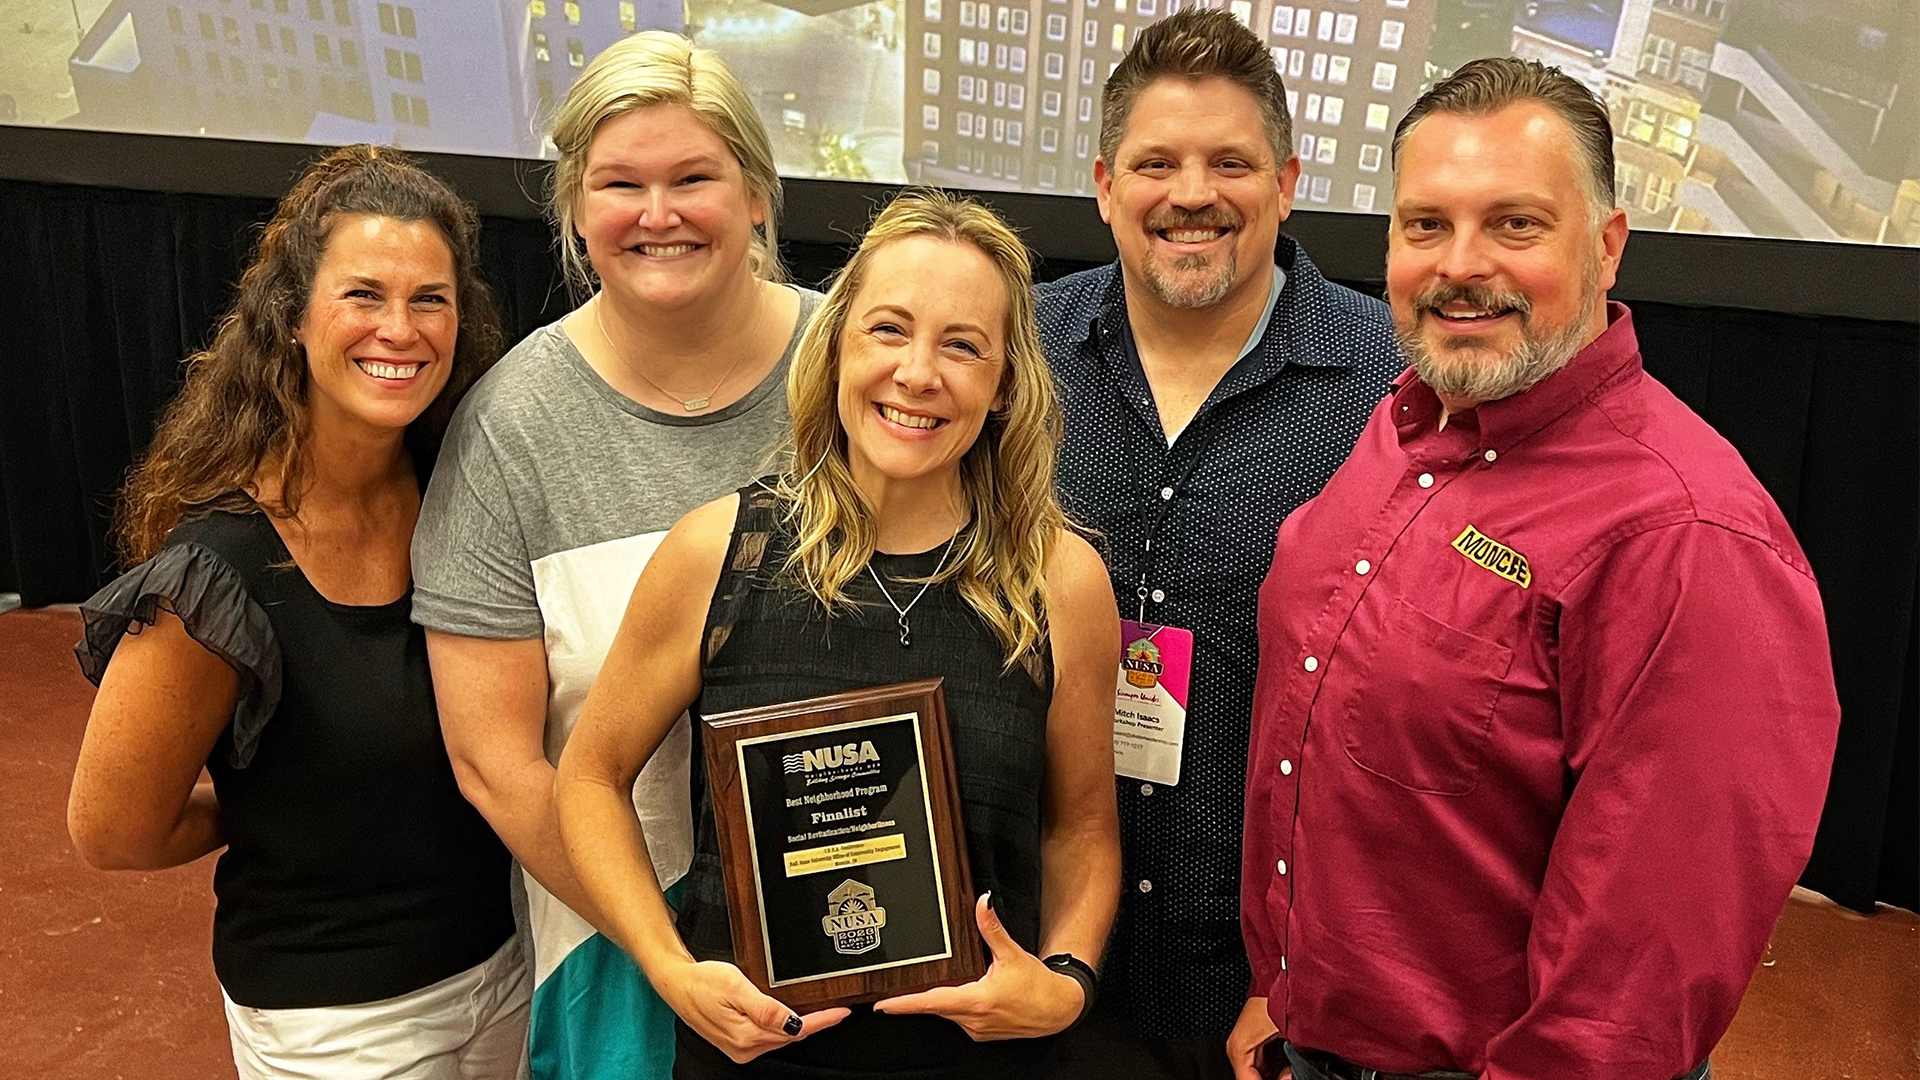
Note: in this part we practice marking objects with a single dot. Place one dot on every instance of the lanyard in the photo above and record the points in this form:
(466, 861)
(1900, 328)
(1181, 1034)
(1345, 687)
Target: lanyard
(1161, 505)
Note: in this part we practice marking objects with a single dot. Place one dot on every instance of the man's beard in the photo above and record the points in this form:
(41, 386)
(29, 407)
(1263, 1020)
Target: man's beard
(1195, 281)
(1468, 368)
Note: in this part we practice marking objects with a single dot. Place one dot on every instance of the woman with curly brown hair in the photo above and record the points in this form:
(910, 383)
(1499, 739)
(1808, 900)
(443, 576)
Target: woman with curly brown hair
(363, 925)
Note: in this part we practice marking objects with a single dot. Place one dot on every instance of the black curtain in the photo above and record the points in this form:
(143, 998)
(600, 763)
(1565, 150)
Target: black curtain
(112, 288)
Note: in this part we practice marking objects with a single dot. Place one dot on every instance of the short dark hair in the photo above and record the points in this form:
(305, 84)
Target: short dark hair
(1488, 85)
(1196, 44)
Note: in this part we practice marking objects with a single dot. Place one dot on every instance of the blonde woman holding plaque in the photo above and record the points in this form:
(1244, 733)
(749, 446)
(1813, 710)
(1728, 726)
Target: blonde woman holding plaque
(917, 536)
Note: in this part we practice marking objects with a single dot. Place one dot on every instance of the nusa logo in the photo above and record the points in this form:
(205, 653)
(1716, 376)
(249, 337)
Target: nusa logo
(829, 757)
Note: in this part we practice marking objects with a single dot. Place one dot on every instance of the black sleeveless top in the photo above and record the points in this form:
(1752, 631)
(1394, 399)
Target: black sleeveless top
(767, 641)
(354, 870)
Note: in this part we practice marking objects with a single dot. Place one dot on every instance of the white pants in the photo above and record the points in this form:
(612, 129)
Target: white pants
(470, 1026)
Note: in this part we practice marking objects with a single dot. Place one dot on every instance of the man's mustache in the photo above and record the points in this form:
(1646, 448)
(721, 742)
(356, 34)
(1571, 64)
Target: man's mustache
(1208, 218)
(1479, 297)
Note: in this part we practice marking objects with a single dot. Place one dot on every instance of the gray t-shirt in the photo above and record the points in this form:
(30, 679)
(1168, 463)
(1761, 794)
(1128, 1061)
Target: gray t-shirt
(551, 491)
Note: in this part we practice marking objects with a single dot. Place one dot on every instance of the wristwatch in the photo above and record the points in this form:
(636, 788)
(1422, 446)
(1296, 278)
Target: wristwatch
(1081, 972)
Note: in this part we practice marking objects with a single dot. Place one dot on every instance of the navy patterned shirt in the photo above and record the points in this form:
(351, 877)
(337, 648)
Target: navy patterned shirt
(1267, 438)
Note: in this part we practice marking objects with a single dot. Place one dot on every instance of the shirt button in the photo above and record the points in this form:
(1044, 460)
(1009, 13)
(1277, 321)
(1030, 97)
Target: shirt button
(1426, 479)
(1312, 663)
(1491, 455)
(1283, 868)
(1145, 885)
(1362, 566)
(1286, 767)
(1166, 493)
(1283, 963)
(1158, 596)
(1146, 789)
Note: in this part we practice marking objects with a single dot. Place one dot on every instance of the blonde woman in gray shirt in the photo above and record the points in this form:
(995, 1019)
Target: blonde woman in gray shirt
(565, 467)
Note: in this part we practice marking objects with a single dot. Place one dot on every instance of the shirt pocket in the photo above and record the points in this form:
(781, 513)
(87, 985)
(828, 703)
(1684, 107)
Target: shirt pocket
(1423, 712)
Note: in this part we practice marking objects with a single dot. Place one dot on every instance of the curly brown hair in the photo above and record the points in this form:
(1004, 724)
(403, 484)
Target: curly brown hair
(244, 401)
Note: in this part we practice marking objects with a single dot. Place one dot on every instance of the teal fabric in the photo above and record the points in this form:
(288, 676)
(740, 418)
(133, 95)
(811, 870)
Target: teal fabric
(597, 1018)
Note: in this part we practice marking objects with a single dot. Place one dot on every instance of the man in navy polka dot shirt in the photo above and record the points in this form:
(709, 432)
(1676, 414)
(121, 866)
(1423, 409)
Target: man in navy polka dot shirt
(1212, 381)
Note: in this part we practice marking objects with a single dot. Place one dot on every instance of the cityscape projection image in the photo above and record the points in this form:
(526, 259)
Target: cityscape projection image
(1778, 118)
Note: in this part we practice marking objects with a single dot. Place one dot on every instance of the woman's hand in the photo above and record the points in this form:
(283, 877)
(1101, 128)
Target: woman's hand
(1018, 998)
(727, 1010)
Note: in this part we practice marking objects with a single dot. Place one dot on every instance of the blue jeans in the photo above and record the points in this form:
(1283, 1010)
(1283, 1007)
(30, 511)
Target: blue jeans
(1303, 1070)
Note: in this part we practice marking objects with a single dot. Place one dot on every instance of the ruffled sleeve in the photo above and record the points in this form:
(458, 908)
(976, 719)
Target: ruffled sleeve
(196, 584)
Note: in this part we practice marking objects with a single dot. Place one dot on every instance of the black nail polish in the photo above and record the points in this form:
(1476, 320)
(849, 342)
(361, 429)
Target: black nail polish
(792, 1026)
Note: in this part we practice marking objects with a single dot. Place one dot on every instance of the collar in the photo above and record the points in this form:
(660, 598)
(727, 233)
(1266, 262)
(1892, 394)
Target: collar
(1611, 358)
(1299, 307)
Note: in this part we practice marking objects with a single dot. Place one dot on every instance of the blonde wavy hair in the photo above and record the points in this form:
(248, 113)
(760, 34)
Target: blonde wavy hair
(1007, 475)
(656, 67)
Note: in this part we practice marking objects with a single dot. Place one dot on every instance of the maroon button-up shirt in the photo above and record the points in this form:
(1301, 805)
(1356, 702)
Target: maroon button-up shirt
(1541, 734)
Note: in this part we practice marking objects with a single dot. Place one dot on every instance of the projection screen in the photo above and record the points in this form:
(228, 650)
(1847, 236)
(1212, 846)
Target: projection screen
(1776, 118)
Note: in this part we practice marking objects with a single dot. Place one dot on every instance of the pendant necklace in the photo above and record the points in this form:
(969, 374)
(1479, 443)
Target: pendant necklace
(692, 404)
(906, 630)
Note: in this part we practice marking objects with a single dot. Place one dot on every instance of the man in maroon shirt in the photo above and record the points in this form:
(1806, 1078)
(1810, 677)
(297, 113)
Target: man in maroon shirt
(1545, 708)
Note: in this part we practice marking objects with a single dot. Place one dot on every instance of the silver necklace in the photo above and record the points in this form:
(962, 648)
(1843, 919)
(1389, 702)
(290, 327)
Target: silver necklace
(692, 404)
(906, 629)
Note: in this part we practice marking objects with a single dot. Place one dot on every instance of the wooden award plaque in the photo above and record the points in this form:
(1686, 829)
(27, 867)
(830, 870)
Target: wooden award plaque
(843, 847)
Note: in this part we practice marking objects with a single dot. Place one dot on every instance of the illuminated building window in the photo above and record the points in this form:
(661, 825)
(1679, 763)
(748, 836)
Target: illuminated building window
(540, 51)
(1332, 109)
(263, 35)
(1642, 120)
(1086, 109)
(1370, 155)
(289, 43)
(966, 14)
(1659, 193)
(930, 117)
(576, 55)
(1056, 28)
(1392, 32)
(1313, 108)
(1019, 22)
(1307, 143)
(323, 48)
(349, 52)
(537, 9)
(230, 30)
(1017, 96)
(1282, 24)
(316, 10)
(1090, 33)
(1053, 66)
(1656, 59)
(1337, 68)
(394, 70)
(930, 46)
(930, 80)
(1344, 27)
(1049, 139)
(1325, 29)
(932, 10)
(1329, 149)
(1015, 131)
(408, 28)
(1377, 117)
(1018, 60)
(1319, 68)
(1119, 42)
(630, 16)
(1321, 188)
(1050, 103)
(930, 152)
(343, 12)
(1384, 75)
(388, 24)
(1694, 64)
(1049, 175)
(1081, 145)
(1676, 133)
(1363, 197)
(963, 124)
(1086, 72)
(573, 12)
